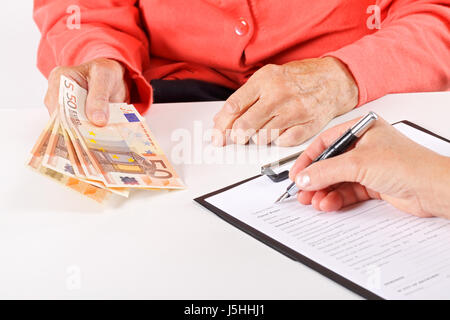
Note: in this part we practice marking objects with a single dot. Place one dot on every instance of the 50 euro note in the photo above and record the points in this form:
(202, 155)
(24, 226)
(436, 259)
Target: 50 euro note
(60, 157)
(35, 163)
(82, 163)
(124, 153)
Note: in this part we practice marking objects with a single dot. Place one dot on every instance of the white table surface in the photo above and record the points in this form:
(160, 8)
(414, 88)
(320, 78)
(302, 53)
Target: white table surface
(56, 244)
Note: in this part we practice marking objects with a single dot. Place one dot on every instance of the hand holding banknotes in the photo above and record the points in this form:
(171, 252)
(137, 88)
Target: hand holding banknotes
(99, 160)
(383, 164)
(104, 80)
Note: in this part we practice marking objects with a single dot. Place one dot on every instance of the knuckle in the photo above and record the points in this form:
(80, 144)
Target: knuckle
(101, 66)
(264, 109)
(272, 99)
(56, 72)
(266, 70)
(100, 99)
(234, 101)
(279, 123)
(94, 102)
(97, 96)
(270, 68)
(241, 124)
(97, 67)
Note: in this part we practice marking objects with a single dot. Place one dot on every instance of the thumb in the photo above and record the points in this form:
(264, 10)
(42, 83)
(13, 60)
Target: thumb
(328, 172)
(97, 101)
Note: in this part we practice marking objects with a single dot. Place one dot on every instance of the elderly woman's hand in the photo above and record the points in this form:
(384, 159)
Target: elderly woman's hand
(104, 80)
(384, 164)
(291, 102)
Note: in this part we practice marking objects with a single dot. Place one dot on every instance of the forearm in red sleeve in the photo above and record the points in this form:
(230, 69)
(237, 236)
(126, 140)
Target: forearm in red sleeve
(410, 52)
(108, 29)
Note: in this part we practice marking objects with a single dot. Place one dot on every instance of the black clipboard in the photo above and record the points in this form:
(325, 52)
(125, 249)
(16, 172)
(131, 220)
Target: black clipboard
(278, 246)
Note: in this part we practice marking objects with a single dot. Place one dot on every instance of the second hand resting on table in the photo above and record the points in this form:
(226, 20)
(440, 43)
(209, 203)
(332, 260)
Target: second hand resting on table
(383, 164)
(295, 100)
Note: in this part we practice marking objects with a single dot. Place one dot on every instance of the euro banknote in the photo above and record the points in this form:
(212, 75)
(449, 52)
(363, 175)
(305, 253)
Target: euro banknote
(35, 162)
(85, 163)
(57, 158)
(124, 153)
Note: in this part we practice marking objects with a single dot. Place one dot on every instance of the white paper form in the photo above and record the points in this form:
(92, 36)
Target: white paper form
(390, 253)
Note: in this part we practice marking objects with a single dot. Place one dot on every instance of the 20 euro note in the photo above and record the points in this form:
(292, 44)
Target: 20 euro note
(60, 157)
(35, 163)
(124, 152)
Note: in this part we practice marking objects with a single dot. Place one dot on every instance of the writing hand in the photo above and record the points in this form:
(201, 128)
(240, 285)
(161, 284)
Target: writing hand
(384, 164)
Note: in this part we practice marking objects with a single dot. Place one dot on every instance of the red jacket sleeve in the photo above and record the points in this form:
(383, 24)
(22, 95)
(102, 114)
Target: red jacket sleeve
(108, 29)
(409, 53)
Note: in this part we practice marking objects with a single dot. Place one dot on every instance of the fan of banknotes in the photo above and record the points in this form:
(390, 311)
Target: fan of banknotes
(100, 161)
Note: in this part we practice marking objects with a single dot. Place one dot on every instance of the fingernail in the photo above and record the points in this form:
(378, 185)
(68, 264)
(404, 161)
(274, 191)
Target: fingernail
(302, 180)
(99, 117)
(231, 108)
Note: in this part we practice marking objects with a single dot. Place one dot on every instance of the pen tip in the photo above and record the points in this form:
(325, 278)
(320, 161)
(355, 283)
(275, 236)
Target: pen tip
(283, 196)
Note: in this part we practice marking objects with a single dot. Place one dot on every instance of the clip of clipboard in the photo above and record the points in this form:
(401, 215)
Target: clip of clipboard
(269, 170)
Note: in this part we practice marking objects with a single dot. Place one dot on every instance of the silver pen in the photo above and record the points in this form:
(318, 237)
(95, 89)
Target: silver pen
(336, 148)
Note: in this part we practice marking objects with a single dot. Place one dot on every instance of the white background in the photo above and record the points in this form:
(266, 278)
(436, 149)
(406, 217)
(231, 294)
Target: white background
(20, 38)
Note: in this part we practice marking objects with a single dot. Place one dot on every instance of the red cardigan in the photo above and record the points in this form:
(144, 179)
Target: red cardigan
(225, 41)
